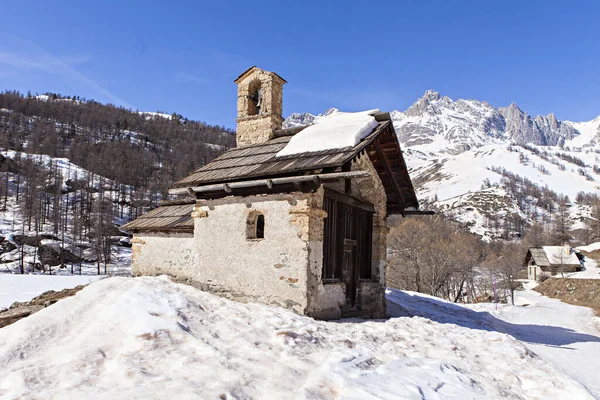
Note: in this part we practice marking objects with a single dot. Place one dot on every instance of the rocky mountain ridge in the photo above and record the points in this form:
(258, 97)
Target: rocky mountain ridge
(466, 124)
(480, 164)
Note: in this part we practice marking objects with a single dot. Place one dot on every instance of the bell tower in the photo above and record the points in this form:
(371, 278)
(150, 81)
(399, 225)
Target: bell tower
(259, 106)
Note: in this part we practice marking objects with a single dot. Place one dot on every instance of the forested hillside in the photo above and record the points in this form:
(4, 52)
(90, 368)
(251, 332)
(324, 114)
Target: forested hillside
(71, 168)
(144, 150)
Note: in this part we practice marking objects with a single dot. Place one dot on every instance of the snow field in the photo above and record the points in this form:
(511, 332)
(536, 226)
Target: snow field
(465, 172)
(148, 337)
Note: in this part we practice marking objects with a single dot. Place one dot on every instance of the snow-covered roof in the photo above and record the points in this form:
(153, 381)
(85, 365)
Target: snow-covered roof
(561, 255)
(553, 255)
(261, 161)
(335, 131)
(173, 216)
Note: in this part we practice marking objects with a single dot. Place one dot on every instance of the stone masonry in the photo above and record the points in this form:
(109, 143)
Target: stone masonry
(255, 127)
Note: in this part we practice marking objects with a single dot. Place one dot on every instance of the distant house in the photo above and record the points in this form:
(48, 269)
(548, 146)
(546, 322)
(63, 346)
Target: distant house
(291, 217)
(546, 261)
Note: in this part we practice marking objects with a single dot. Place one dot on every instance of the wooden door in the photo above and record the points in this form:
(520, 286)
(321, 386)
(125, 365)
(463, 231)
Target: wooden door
(349, 273)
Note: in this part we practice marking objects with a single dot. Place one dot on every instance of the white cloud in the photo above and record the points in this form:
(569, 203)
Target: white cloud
(24, 55)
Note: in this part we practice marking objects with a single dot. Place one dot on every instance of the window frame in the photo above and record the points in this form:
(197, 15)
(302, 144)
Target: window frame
(252, 225)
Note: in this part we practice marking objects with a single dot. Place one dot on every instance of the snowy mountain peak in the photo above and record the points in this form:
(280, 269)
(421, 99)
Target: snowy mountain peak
(460, 151)
(431, 95)
(297, 119)
(436, 124)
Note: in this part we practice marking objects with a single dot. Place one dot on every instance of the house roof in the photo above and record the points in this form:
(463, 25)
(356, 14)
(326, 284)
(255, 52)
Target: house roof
(556, 255)
(548, 256)
(539, 257)
(174, 217)
(260, 161)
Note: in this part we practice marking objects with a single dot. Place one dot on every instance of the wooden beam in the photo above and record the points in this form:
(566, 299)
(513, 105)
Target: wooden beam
(419, 212)
(191, 193)
(227, 187)
(388, 171)
(398, 209)
(348, 182)
(349, 200)
(384, 116)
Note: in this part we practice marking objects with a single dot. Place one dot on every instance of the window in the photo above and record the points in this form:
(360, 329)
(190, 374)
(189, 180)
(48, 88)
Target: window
(255, 226)
(260, 226)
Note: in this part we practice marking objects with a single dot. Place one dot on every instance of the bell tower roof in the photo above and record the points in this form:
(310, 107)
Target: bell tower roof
(249, 72)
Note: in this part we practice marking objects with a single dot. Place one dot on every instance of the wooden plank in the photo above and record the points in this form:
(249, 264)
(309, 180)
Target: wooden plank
(274, 181)
(349, 200)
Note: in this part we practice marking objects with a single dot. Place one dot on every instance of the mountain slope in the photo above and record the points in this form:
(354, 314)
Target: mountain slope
(73, 170)
(476, 162)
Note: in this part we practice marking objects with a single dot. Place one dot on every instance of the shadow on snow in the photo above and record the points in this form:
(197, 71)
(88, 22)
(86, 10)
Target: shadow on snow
(402, 304)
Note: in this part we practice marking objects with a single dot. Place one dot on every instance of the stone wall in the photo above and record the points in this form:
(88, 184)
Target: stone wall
(282, 269)
(272, 270)
(256, 129)
(155, 253)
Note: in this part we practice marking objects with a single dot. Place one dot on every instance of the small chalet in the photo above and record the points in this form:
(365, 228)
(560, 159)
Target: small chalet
(546, 261)
(290, 217)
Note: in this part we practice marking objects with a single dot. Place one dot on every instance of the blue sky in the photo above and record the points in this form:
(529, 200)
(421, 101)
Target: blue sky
(183, 56)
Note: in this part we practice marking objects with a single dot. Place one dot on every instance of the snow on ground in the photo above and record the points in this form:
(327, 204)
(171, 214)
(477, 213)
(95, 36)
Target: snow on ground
(10, 261)
(11, 224)
(566, 336)
(335, 131)
(474, 208)
(140, 338)
(150, 115)
(26, 287)
(560, 255)
(591, 271)
(590, 247)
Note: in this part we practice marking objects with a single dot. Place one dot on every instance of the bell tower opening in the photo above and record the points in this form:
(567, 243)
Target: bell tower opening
(259, 106)
(255, 96)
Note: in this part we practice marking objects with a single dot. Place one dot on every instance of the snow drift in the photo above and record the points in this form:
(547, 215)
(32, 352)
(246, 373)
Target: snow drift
(148, 337)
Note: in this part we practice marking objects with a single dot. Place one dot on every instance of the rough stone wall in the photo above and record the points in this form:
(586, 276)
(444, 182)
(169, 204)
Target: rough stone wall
(156, 253)
(272, 270)
(255, 128)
